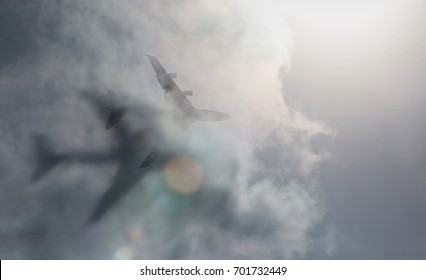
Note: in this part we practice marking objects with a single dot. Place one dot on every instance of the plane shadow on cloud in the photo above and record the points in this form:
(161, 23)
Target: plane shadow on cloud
(174, 184)
(132, 153)
(77, 143)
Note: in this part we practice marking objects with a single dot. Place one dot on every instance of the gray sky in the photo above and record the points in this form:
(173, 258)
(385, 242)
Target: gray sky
(323, 156)
(369, 85)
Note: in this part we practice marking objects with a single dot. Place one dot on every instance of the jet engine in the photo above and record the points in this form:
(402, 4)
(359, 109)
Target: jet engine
(172, 75)
(186, 92)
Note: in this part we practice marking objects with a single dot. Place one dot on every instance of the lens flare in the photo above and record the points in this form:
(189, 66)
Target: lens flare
(135, 233)
(183, 175)
(124, 253)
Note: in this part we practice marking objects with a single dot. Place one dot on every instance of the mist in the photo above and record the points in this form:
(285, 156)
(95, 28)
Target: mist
(260, 197)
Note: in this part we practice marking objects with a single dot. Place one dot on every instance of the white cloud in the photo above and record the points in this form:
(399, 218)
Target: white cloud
(230, 53)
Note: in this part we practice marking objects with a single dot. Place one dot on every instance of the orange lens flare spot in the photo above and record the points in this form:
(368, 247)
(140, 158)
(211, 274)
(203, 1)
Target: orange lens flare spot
(183, 175)
(135, 233)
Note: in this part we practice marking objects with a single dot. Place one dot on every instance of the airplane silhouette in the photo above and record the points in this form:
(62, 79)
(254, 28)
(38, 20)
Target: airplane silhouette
(127, 153)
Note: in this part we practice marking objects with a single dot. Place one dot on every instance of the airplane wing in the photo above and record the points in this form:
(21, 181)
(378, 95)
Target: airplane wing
(152, 156)
(157, 66)
(166, 79)
(124, 180)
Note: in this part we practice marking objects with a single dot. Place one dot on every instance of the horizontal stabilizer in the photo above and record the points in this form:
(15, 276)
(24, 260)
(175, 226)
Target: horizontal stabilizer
(208, 115)
(45, 157)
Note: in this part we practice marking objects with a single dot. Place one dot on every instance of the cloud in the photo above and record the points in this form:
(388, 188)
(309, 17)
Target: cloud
(259, 198)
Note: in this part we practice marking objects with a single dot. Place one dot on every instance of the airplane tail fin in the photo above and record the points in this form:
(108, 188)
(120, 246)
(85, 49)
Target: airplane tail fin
(115, 114)
(208, 115)
(46, 158)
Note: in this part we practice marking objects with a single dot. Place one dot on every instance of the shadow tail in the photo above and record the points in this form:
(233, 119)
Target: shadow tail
(46, 158)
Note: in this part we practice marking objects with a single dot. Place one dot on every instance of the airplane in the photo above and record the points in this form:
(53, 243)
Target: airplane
(126, 154)
(183, 114)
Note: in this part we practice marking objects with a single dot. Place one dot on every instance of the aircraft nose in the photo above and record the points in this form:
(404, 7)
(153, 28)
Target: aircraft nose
(219, 116)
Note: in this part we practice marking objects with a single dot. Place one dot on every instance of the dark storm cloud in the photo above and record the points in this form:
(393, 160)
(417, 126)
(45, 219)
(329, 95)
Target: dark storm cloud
(16, 25)
(60, 48)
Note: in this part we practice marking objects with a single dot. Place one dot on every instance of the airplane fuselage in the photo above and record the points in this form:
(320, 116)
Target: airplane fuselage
(182, 112)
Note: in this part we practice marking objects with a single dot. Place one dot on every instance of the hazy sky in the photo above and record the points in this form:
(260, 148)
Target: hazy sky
(367, 82)
(323, 157)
